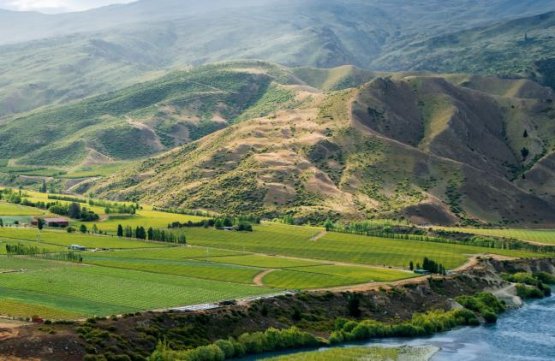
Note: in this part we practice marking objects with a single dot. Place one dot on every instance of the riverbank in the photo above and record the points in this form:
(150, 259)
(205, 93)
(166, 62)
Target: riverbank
(136, 336)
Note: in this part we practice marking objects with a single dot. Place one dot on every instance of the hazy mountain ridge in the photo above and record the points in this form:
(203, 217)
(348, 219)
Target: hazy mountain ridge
(78, 55)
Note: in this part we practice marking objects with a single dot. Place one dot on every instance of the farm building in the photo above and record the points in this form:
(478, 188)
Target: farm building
(53, 222)
(76, 247)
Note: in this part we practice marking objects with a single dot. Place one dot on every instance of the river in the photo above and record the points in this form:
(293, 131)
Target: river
(524, 334)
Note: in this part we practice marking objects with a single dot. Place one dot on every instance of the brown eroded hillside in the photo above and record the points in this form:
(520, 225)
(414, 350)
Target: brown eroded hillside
(436, 149)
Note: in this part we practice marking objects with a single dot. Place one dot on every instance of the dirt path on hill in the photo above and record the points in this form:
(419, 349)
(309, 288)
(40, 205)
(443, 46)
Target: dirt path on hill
(258, 280)
(318, 236)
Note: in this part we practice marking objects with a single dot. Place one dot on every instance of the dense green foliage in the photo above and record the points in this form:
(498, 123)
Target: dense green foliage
(246, 344)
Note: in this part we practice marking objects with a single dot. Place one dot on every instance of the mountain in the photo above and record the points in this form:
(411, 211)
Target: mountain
(432, 148)
(55, 59)
(160, 114)
(509, 47)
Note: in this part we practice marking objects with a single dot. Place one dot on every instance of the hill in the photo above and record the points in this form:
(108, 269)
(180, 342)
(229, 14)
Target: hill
(158, 115)
(519, 46)
(435, 149)
(55, 59)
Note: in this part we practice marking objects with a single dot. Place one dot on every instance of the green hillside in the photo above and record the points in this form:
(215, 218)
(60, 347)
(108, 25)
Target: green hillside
(516, 47)
(427, 148)
(58, 59)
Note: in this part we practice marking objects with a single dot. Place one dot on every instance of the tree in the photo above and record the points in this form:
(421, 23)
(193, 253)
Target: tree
(74, 211)
(525, 153)
(525, 135)
(70, 230)
(43, 188)
(120, 230)
(411, 266)
(329, 225)
(150, 233)
(128, 232)
(1, 222)
(83, 228)
(40, 223)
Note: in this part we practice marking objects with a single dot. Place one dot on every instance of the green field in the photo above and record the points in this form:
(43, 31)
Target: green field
(330, 276)
(276, 239)
(9, 209)
(62, 238)
(544, 236)
(89, 290)
(120, 275)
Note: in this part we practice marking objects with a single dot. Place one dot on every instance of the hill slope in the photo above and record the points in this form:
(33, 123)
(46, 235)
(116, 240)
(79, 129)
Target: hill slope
(437, 149)
(158, 115)
(63, 58)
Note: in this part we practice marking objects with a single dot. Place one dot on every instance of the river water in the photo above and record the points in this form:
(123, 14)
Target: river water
(524, 334)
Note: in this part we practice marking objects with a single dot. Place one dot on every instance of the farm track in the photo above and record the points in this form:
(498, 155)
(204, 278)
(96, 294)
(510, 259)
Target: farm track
(318, 236)
(259, 279)
(373, 286)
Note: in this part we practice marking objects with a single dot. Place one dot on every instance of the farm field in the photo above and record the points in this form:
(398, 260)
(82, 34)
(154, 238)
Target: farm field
(543, 236)
(146, 217)
(62, 238)
(121, 275)
(9, 209)
(330, 276)
(275, 239)
(90, 290)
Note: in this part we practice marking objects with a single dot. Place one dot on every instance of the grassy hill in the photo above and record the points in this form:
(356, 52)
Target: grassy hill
(436, 149)
(57, 59)
(97, 136)
(151, 116)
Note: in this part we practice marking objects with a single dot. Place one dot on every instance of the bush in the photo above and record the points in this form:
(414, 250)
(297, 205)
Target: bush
(490, 317)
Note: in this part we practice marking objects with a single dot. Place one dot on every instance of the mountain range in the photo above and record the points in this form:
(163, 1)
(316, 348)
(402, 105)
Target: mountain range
(376, 109)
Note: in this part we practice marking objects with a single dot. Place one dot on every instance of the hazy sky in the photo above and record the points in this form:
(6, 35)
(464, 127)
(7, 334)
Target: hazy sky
(56, 6)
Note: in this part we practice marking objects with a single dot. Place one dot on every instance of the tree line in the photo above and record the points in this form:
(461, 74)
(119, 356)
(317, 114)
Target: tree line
(240, 224)
(151, 234)
(429, 265)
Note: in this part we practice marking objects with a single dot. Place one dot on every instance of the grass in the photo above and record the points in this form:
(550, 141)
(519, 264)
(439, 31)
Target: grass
(263, 261)
(62, 238)
(18, 308)
(9, 209)
(146, 218)
(136, 275)
(100, 170)
(358, 354)
(91, 290)
(293, 241)
(330, 276)
(544, 236)
(188, 268)
(47, 247)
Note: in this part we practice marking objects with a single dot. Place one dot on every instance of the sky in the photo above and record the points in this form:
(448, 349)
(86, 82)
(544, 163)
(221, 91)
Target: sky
(56, 6)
